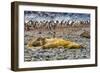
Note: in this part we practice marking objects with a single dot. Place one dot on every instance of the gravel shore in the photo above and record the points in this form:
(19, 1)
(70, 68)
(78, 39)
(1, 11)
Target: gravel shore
(40, 54)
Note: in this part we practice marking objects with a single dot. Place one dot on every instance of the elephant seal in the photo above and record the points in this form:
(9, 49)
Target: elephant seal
(46, 43)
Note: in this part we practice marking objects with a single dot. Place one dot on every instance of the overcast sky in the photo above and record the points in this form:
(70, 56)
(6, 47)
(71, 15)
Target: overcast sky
(40, 16)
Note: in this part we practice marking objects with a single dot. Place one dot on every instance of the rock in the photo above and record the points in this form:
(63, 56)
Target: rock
(85, 34)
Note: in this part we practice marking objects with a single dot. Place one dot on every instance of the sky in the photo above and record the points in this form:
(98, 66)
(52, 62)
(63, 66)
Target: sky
(40, 16)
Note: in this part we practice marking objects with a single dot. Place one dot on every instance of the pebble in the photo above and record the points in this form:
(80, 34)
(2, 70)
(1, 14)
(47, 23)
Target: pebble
(59, 53)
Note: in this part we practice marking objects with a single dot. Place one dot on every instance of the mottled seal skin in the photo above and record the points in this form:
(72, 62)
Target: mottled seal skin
(53, 43)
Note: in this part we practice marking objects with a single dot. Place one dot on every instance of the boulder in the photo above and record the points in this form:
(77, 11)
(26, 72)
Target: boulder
(85, 34)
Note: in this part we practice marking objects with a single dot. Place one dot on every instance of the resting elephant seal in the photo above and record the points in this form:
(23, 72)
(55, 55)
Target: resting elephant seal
(53, 43)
